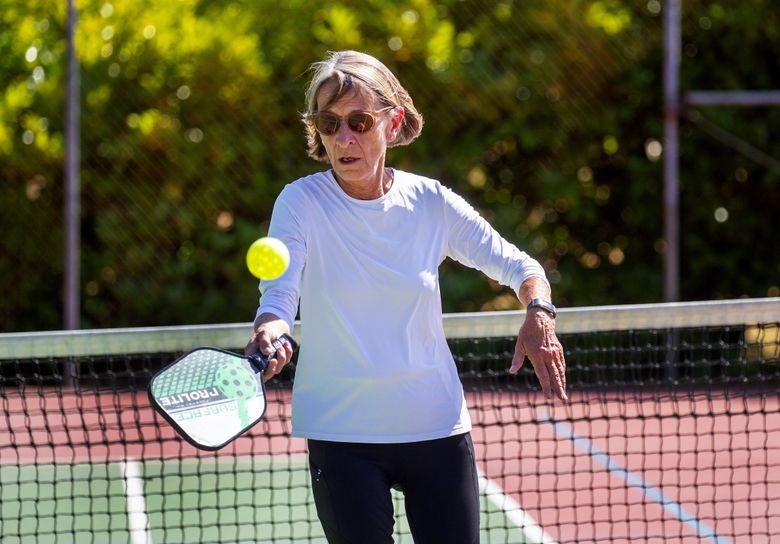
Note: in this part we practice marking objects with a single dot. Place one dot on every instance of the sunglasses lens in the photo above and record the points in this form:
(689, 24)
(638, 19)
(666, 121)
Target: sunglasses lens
(360, 122)
(327, 123)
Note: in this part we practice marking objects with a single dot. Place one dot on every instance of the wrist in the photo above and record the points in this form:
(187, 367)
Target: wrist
(543, 305)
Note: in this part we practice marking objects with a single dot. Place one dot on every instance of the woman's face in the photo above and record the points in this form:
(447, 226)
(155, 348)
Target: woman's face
(358, 159)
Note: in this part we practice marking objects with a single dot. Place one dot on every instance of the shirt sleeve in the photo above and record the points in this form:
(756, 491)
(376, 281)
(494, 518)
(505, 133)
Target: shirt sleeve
(473, 242)
(281, 296)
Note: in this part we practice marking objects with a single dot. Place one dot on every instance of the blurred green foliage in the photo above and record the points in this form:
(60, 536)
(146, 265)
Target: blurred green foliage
(547, 116)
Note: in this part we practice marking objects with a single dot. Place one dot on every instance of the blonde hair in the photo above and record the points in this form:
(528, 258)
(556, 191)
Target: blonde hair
(350, 71)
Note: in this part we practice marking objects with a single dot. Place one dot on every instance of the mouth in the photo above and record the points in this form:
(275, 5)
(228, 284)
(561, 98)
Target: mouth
(348, 160)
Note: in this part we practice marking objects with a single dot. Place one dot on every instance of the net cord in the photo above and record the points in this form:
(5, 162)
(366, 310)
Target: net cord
(118, 341)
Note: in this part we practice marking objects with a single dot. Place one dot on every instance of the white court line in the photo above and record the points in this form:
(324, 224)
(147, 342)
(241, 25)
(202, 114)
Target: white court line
(136, 503)
(702, 530)
(532, 531)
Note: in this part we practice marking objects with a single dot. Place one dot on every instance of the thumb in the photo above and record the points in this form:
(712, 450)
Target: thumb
(518, 359)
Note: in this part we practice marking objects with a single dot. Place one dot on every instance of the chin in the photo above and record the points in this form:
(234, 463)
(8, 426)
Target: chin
(357, 174)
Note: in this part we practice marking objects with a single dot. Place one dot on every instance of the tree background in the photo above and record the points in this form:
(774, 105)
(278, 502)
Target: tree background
(545, 115)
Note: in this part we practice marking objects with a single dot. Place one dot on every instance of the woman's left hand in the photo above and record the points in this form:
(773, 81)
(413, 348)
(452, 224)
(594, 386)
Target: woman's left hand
(538, 341)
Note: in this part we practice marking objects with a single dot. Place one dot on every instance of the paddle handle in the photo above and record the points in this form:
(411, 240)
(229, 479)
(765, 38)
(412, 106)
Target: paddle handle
(261, 361)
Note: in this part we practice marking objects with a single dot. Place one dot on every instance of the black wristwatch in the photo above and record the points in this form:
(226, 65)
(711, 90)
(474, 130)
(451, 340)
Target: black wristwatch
(545, 305)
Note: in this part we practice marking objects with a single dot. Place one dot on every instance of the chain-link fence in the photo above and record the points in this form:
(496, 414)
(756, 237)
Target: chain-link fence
(545, 116)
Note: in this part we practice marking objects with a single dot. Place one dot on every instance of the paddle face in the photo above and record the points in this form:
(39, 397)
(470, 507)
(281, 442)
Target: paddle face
(210, 396)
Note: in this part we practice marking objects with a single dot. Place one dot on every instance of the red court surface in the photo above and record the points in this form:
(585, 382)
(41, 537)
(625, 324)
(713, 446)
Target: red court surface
(99, 426)
(718, 458)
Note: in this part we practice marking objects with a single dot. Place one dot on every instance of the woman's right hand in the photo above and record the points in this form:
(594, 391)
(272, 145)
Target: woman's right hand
(269, 328)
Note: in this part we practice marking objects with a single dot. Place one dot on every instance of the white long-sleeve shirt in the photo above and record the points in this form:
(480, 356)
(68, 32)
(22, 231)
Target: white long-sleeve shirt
(374, 365)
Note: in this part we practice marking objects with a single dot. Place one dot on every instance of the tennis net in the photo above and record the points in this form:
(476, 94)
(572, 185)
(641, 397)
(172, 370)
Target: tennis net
(672, 434)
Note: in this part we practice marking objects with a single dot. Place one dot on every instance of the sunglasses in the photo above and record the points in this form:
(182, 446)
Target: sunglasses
(358, 121)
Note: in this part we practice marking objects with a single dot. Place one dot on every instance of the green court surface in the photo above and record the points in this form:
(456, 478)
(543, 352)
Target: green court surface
(230, 499)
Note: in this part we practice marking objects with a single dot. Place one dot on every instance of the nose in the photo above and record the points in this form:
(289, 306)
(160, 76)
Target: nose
(344, 136)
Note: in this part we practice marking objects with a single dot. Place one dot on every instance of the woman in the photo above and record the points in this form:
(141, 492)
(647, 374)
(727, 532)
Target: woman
(376, 390)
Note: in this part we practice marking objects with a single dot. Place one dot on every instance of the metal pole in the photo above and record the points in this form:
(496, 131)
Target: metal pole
(671, 175)
(671, 149)
(72, 212)
(732, 98)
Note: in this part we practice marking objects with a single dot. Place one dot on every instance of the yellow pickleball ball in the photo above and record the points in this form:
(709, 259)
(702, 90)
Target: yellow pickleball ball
(267, 258)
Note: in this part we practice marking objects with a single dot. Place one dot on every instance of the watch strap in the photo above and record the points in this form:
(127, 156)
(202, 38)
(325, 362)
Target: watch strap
(545, 305)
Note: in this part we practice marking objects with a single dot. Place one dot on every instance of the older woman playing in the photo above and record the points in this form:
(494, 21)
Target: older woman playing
(376, 392)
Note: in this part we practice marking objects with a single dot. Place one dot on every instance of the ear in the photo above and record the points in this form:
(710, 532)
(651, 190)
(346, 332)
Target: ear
(398, 118)
(395, 124)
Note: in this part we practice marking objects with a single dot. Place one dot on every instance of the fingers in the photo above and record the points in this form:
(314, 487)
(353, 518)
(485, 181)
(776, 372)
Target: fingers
(252, 347)
(557, 371)
(543, 374)
(560, 365)
(519, 357)
(278, 351)
(549, 366)
(537, 340)
(552, 376)
(283, 352)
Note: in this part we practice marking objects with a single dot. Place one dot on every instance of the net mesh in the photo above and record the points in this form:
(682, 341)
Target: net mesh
(672, 434)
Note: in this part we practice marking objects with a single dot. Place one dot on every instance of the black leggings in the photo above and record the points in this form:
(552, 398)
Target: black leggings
(438, 478)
